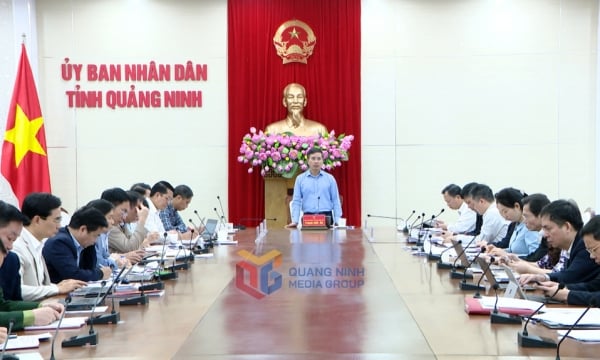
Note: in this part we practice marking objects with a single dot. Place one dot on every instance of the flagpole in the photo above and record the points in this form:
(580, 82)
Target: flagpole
(24, 37)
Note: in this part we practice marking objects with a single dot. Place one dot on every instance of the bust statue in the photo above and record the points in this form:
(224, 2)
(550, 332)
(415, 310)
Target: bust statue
(294, 100)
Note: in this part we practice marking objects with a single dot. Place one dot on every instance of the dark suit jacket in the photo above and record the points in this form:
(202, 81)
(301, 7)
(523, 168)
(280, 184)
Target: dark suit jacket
(13, 310)
(60, 255)
(10, 279)
(580, 268)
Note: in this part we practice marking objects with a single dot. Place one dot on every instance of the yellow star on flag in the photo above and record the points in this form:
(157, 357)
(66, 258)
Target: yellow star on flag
(23, 135)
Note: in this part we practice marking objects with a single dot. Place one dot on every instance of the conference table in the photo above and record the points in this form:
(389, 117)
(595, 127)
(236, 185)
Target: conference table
(319, 294)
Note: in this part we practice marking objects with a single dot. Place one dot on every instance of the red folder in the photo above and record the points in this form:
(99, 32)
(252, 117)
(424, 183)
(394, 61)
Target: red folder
(473, 307)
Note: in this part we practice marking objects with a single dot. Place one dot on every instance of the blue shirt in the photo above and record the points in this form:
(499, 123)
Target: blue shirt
(78, 247)
(314, 194)
(523, 241)
(102, 253)
(171, 219)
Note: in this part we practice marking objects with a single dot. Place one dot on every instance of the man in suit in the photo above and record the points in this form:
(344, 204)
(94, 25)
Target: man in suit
(11, 223)
(71, 253)
(21, 313)
(44, 216)
(561, 222)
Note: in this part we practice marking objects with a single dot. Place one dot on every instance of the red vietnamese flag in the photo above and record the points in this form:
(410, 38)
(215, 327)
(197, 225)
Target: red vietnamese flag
(24, 159)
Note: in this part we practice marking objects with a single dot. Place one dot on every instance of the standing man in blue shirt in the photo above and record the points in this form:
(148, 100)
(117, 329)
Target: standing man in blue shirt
(315, 191)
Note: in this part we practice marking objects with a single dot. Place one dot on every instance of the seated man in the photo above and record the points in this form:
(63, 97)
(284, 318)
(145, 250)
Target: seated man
(494, 227)
(561, 222)
(581, 293)
(71, 254)
(466, 217)
(43, 212)
(158, 201)
(120, 239)
(22, 313)
(11, 223)
(182, 196)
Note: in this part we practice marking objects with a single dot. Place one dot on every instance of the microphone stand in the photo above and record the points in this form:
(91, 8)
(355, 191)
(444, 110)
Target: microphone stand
(497, 317)
(592, 303)
(464, 285)
(405, 229)
(4, 355)
(526, 340)
(180, 266)
(162, 273)
(141, 299)
(114, 317)
(222, 212)
(210, 243)
(444, 265)
(92, 336)
(199, 247)
(454, 274)
(62, 316)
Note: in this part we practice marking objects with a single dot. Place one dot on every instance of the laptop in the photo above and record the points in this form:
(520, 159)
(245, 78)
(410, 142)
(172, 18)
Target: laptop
(515, 290)
(210, 229)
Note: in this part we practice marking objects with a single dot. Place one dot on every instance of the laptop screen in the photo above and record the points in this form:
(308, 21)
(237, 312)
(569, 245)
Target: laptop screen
(211, 227)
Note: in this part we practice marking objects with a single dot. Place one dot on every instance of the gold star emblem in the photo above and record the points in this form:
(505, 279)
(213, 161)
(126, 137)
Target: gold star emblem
(294, 34)
(23, 135)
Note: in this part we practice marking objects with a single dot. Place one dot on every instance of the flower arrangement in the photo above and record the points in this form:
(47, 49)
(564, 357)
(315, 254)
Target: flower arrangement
(285, 153)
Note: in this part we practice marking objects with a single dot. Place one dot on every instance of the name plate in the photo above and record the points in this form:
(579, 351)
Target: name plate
(314, 222)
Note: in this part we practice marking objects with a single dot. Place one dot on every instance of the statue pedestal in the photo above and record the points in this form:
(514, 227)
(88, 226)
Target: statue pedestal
(276, 200)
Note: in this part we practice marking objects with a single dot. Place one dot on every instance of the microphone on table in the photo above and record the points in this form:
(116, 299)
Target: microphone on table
(4, 355)
(488, 268)
(199, 247)
(429, 223)
(454, 274)
(497, 317)
(405, 229)
(92, 336)
(443, 265)
(222, 212)
(220, 217)
(592, 303)
(114, 316)
(191, 258)
(164, 274)
(526, 340)
(180, 266)
(241, 226)
(67, 301)
(411, 226)
(464, 285)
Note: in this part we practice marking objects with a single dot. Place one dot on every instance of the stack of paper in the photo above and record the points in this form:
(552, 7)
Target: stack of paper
(67, 323)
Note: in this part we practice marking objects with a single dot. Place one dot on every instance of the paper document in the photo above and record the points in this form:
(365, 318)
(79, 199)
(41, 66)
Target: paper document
(508, 303)
(22, 342)
(582, 335)
(569, 316)
(67, 323)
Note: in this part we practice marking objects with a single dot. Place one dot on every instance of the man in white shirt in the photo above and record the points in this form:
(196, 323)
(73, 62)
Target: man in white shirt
(494, 226)
(44, 213)
(158, 200)
(466, 217)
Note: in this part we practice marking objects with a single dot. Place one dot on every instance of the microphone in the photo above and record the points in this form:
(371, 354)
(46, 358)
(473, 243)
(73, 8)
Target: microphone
(497, 317)
(67, 301)
(162, 273)
(92, 336)
(592, 303)
(464, 285)
(219, 216)
(411, 227)
(444, 265)
(240, 226)
(180, 266)
(385, 217)
(199, 246)
(405, 229)
(489, 265)
(222, 212)
(4, 355)
(526, 340)
(433, 217)
(114, 316)
(191, 258)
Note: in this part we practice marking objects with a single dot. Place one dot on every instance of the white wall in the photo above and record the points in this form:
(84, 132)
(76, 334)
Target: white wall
(496, 91)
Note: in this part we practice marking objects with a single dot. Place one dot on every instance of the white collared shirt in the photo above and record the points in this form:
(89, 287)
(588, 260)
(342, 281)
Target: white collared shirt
(466, 220)
(153, 222)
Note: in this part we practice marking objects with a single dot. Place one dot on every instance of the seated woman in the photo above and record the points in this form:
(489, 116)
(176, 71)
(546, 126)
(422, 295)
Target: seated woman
(522, 241)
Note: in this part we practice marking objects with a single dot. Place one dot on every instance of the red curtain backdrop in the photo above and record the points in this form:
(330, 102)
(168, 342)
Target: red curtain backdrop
(257, 77)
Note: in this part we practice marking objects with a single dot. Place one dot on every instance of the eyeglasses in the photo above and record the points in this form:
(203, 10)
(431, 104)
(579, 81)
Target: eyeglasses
(591, 251)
